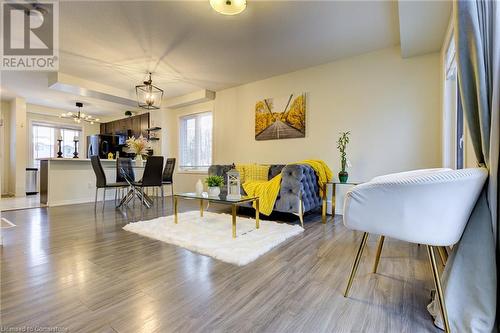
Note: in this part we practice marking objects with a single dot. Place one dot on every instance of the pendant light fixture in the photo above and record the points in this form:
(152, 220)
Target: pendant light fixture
(79, 116)
(149, 96)
(228, 7)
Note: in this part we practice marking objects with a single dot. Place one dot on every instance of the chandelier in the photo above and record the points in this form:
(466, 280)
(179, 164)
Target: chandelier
(79, 116)
(149, 96)
(228, 7)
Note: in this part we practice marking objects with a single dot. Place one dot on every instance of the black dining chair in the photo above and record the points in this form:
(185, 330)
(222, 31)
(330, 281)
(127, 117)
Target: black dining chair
(124, 168)
(101, 181)
(152, 176)
(168, 176)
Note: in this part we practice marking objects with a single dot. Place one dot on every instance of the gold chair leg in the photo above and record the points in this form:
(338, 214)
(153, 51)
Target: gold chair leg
(356, 263)
(439, 289)
(443, 255)
(379, 251)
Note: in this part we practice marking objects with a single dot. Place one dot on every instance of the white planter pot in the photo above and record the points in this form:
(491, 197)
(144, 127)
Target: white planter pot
(138, 160)
(213, 191)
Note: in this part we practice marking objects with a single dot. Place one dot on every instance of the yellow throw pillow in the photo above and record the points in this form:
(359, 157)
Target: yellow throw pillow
(256, 172)
(241, 169)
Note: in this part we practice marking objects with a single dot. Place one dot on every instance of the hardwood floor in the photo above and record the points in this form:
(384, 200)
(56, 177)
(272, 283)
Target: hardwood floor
(71, 268)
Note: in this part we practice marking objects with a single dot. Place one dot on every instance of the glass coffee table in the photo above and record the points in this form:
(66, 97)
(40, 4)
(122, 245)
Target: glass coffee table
(221, 199)
(333, 184)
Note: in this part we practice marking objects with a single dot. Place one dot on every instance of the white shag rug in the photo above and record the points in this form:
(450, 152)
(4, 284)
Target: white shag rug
(211, 235)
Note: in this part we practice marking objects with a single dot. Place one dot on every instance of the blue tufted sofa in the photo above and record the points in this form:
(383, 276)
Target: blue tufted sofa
(299, 184)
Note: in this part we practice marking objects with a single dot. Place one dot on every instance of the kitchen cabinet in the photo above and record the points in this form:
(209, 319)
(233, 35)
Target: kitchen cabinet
(137, 125)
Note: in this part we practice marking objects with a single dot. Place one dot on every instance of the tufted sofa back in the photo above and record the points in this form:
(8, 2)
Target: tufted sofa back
(297, 180)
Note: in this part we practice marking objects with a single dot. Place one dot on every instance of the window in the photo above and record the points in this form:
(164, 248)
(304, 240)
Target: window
(68, 145)
(453, 124)
(195, 141)
(44, 141)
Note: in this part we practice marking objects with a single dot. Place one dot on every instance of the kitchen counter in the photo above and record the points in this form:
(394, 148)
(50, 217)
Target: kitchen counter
(65, 181)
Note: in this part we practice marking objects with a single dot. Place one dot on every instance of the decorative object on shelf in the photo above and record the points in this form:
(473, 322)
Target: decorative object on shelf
(228, 7)
(233, 185)
(214, 183)
(152, 136)
(341, 146)
(149, 96)
(78, 117)
(129, 113)
(75, 153)
(110, 156)
(59, 145)
(199, 187)
(139, 147)
(281, 118)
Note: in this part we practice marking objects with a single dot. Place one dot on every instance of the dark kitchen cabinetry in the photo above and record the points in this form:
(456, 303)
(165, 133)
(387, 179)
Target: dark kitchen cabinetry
(135, 125)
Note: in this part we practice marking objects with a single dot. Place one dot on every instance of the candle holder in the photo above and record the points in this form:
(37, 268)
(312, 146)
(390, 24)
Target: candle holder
(75, 153)
(59, 153)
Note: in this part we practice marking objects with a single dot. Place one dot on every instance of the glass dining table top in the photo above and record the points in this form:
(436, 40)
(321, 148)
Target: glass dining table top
(220, 198)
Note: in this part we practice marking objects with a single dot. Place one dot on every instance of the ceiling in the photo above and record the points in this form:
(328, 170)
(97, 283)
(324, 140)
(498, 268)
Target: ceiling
(189, 47)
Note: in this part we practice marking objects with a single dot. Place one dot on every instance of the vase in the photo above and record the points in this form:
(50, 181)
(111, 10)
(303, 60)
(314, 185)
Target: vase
(343, 175)
(138, 160)
(199, 187)
(213, 191)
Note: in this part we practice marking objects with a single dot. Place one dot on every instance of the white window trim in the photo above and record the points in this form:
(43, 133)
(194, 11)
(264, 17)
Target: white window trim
(194, 171)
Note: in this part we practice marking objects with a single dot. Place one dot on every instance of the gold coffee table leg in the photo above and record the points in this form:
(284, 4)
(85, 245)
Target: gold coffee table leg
(175, 210)
(333, 201)
(323, 205)
(257, 213)
(201, 207)
(233, 210)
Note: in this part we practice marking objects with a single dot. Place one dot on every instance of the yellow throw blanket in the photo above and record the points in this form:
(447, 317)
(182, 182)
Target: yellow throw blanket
(268, 191)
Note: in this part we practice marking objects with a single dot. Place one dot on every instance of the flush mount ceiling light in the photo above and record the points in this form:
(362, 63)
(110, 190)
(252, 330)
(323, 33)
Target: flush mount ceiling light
(149, 96)
(228, 7)
(78, 117)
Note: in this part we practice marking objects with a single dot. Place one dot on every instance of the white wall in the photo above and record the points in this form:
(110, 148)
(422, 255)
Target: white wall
(391, 106)
(14, 161)
(5, 146)
(18, 143)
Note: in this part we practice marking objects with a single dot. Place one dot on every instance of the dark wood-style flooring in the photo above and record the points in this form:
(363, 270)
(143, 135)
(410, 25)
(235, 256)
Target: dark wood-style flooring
(76, 270)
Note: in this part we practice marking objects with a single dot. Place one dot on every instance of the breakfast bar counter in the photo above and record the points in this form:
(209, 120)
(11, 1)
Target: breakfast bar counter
(65, 181)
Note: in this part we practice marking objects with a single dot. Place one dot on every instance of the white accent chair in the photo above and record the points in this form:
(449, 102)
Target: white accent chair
(428, 207)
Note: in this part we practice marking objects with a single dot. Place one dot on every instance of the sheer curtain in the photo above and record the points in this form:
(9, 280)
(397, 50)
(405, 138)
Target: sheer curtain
(470, 276)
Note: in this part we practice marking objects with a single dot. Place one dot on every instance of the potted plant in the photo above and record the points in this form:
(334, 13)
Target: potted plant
(214, 183)
(341, 146)
(139, 147)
